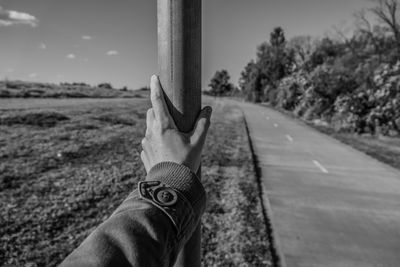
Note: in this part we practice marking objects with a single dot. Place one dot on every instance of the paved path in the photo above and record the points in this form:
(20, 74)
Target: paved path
(331, 205)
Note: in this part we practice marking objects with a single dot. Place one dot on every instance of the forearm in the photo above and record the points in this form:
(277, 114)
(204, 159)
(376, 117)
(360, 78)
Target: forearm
(150, 226)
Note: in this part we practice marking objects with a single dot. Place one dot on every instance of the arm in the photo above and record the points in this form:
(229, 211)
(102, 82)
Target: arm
(155, 221)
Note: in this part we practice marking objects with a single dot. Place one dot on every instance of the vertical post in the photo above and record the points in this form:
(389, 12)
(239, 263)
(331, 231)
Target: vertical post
(179, 62)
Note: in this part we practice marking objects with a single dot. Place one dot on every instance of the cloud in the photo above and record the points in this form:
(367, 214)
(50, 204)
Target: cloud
(71, 56)
(87, 37)
(12, 17)
(32, 75)
(43, 46)
(112, 53)
(10, 70)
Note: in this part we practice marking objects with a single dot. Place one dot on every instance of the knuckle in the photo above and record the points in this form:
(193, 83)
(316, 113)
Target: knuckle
(148, 135)
(155, 96)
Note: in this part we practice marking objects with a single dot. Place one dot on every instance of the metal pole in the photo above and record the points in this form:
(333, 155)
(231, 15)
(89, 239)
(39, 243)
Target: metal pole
(179, 62)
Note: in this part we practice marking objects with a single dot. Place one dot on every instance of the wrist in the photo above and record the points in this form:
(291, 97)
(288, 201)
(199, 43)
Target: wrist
(179, 177)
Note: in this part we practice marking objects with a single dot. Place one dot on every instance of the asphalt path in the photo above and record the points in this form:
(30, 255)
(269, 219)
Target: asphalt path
(330, 205)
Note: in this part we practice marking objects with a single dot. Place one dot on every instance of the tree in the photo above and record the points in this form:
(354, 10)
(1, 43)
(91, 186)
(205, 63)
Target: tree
(302, 46)
(277, 38)
(388, 12)
(325, 51)
(349, 42)
(220, 84)
(370, 33)
(280, 58)
(250, 82)
(274, 61)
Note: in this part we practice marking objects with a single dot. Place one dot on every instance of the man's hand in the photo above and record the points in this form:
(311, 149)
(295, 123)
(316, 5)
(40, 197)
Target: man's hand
(164, 142)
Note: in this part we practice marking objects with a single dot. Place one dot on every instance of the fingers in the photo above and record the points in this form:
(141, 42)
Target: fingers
(146, 147)
(149, 120)
(160, 108)
(145, 160)
(202, 125)
(147, 154)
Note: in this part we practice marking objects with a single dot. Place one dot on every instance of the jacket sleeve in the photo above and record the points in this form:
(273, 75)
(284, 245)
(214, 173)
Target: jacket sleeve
(150, 227)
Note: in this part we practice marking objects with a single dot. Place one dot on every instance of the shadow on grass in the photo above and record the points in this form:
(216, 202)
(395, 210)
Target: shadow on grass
(41, 119)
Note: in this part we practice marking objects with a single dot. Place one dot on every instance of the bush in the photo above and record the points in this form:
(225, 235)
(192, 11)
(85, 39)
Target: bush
(291, 90)
(105, 86)
(5, 93)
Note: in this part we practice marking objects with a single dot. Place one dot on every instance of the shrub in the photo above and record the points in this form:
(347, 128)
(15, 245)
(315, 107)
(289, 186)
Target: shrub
(105, 86)
(5, 93)
(291, 90)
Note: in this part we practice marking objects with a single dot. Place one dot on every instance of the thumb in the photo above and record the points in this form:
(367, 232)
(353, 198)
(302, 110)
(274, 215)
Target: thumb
(202, 124)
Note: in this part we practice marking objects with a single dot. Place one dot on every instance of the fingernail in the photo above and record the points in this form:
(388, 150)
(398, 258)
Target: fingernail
(208, 110)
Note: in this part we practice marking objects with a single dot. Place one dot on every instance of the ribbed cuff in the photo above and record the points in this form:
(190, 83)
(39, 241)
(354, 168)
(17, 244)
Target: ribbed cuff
(180, 178)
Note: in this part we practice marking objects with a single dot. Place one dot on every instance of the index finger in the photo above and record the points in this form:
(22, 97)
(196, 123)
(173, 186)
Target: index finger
(161, 112)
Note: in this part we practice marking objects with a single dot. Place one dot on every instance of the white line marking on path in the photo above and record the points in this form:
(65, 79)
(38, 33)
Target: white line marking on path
(289, 138)
(319, 165)
(275, 125)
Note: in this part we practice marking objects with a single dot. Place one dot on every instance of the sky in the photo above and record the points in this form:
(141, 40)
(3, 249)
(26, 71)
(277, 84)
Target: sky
(96, 41)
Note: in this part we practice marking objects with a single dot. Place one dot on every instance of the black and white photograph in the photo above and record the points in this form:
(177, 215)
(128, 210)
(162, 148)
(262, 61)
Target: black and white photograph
(200, 133)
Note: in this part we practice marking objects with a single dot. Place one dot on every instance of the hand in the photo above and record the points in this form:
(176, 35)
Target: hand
(164, 142)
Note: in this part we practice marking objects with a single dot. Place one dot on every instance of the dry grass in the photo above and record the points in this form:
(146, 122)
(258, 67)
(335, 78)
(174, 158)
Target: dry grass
(60, 179)
(234, 233)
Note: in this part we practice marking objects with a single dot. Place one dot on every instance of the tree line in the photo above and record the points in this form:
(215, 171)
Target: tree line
(350, 82)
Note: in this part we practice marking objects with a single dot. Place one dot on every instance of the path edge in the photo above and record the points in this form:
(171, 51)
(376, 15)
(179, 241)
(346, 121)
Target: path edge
(278, 258)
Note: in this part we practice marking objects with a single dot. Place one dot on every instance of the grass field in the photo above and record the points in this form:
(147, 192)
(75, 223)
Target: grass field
(65, 168)
(21, 89)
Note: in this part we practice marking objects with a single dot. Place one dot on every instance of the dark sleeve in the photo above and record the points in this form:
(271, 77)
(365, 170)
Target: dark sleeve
(151, 226)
